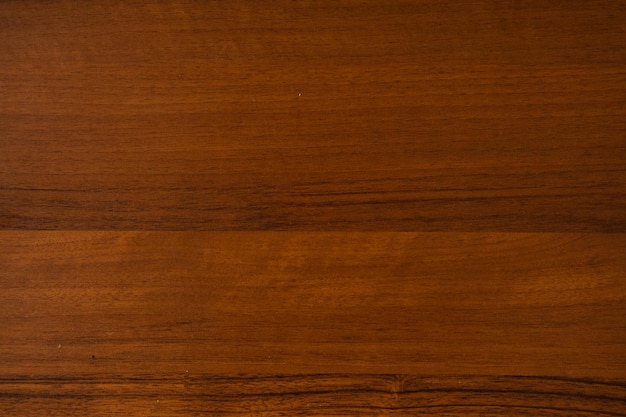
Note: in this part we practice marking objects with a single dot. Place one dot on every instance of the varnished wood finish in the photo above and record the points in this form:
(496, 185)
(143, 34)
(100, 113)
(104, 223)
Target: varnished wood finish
(312, 208)
(89, 313)
(542, 304)
(300, 115)
(315, 395)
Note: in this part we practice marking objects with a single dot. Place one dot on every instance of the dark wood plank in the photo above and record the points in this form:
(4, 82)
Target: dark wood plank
(314, 395)
(352, 115)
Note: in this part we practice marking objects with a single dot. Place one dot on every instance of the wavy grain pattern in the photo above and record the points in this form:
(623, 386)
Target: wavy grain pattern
(315, 395)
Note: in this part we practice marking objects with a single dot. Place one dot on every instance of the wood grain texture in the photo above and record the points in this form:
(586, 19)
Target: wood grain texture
(315, 395)
(303, 115)
(311, 318)
(312, 208)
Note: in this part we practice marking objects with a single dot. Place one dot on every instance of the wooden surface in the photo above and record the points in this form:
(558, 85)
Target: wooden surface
(312, 208)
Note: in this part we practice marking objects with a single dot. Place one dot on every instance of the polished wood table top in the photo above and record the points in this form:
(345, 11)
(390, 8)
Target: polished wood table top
(312, 208)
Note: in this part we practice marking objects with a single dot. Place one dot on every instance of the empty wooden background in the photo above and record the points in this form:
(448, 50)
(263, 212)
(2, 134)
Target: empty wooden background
(312, 208)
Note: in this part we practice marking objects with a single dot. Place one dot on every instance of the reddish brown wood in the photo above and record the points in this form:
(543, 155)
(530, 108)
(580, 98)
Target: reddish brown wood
(300, 115)
(312, 208)
(124, 318)
(316, 395)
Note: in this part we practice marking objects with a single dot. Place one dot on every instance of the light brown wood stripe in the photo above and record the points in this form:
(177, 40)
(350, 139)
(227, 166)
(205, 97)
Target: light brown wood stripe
(279, 302)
